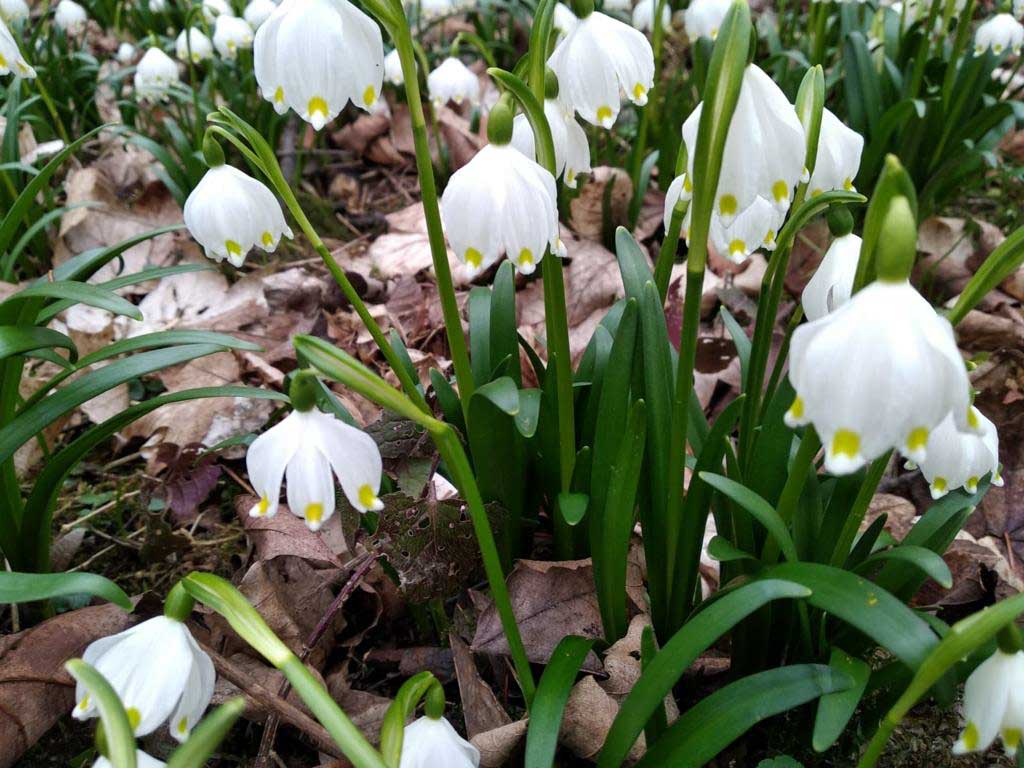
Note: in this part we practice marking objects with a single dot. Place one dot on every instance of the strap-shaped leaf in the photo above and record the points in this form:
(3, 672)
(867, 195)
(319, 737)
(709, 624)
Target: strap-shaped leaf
(77, 293)
(208, 735)
(763, 511)
(19, 339)
(550, 699)
(29, 587)
(836, 709)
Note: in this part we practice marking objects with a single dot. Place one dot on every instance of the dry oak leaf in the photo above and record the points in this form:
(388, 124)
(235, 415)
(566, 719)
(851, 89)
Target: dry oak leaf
(480, 706)
(405, 249)
(498, 746)
(284, 535)
(589, 714)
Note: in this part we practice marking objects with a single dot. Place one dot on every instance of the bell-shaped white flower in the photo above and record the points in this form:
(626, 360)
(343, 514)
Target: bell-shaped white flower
(214, 8)
(838, 160)
(832, 283)
(393, 69)
(155, 73)
(157, 6)
(231, 35)
(432, 743)
(958, 460)
(679, 190)
(564, 20)
(999, 34)
(11, 59)
(316, 55)
(453, 81)
(126, 53)
(158, 671)
(879, 373)
(703, 18)
(258, 11)
(994, 704)
(142, 760)
(304, 447)
(70, 16)
(753, 229)
(616, 6)
(572, 149)
(501, 202)
(193, 42)
(643, 15)
(597, 61)
(229, 212)
(13, 10)
(764, 150)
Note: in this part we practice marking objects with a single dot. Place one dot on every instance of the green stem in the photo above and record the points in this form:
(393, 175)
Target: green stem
(820, 21)
(790, 496)
(859, 509)
(670, 245)
(52, 109)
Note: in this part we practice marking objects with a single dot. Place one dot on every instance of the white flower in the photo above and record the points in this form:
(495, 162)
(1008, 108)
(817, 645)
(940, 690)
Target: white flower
(154, 75)
(158, 671)
(599, 58)
(753, 229)
(958, 460)
(229, 212)
(572, 150)
(1000, 33)
(764, 150)
(616, 5)
(201, 46)
(430, 743)
(679, 190)
(70, 16)
(643, 15)
(305, 447)
(435, 9)
(230, 35)
(703, 18)
(125, 53)
(11, 59)
(501, 202)
(453, 81)
(258, 11)
(564, 20)
(157, 6)
(13, 10)
(879, 373)
(214, 8)
(838, 160)
(393, 69)
(316, 55)
(994, 704)
(142, 760)
(832, 283)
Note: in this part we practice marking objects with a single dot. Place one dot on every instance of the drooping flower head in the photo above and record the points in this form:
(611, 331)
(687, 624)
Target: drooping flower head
(154, 75)
(231, 35)
(258, 11)
(616, 6)
(304, 448)
(393, 69)
(193, 41)
(11, 59)
(452, 81)
(599, 59)
(157, 6)
(70, 16)
(432, 742)
(994, 704)
(158, 671)
(703, 18)
(643, 15)
(315, 56)
(142, 760)
(126, 53)
(958, 460)
(999, 34)
(564, 20)
(13, 11)
(572, 148)
(214, 8)
(832, 283)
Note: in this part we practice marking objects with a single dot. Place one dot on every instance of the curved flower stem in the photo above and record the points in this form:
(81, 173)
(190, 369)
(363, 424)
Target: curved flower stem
(669, 246)
(52, 109)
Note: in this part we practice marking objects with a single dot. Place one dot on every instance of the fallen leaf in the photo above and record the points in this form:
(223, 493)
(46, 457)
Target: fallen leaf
(498, 747)
(589, 714)
(284, 535)
(586, 209)
(479, 704)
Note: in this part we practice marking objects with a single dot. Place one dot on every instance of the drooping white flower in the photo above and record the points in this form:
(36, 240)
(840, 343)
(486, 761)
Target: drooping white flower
(158, 671)
(142, 760)
(501, 202)
(564, 20)
(435, 9)
(70, 16)
(11, 59)
(572, 150)
(832, 283)
(258, 11)
(13, 10)
(703, 18)
(958, 460)
(994, 704)
(231, 35)
(643, 15)
(195, 40)
(599, 59)
(431, 743)
(838, 159)
(316, 55)
(214, 8)
(154, 75)
(879, 373)
(393, 69)
(304, 447)
(764, 150)
(453, 81)
(754, 228)
(619, 6)
(126, 53)
(157, 6)
(229, 212)
(999, 34)
(679, 190)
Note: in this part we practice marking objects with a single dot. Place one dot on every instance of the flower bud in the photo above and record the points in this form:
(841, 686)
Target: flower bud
(897, 244)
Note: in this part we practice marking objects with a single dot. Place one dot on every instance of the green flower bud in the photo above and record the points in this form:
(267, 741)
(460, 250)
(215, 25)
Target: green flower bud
(550, 84)
(840, 220)
(179, 603)
(303, 391)
(499, 122)
(897, 242)
(212, 152)
(582, 8)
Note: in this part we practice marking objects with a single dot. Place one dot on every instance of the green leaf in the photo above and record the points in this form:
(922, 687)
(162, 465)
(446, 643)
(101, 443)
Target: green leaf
(724, 551)
(117, 728)
(78, 293)
(528, 417)
(669, 664)
(480, 333)
(29, 587)
(504, 333)
(740, 339)
(84, 265)
(633, 266)
(19, 339)
(718, 720)
(573, 506)
(550, 699)
(1003, 261)
(929, 563)
(836, 709)
(759, 508)
(208, 735)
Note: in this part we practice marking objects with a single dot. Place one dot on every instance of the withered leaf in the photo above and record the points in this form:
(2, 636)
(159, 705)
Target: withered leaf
(481, 708)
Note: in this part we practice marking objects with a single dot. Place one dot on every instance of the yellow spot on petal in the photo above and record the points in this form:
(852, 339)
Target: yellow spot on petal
(639, 92)
(134, 717)
(737, 248)
(972, 484)
(846, 443)
(263, 506)
(972, 418)
(196, 58)
(525, 257)
(474, 258)
(314, 513)
(268, 239)
(728, 205)
(940, 484)
(769, 237)
(817, 192)
(687, 186)
(917, 439)
(279, 95)
(233, 248)
(780, 190)
(84, 703)
(714, 32)
(3, 61)
(970, 737)
(848, 184)
(570, 178)
(22, 66)
(796, 410)
(367, 497)
(604, 113)
(317, 106)
(369, 96)
(183, 726)
(1011, 738)
(997, 49)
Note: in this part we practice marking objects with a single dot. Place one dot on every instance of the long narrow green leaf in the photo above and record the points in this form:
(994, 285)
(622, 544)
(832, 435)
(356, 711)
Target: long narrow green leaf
(929, 563)
(79, 293)
(29, 587)
(19, 339)
(208, 735)
(117, 727)
(84, 265)
(836, 709)
(759, 508)
(550, 699)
